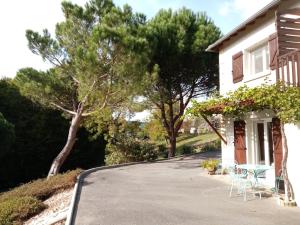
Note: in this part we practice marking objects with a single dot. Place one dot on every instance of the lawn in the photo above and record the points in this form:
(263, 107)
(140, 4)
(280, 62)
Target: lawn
(195, 140)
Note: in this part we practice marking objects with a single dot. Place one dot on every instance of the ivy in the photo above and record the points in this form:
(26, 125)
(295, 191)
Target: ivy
(283, 100)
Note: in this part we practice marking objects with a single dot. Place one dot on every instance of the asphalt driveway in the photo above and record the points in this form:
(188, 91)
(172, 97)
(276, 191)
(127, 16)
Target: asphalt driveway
(173, 192)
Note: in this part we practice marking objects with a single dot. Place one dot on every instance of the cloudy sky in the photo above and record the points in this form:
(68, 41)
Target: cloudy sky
(18, 15)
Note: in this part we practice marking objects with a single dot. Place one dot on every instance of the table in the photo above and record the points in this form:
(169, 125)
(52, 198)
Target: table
(254, 169)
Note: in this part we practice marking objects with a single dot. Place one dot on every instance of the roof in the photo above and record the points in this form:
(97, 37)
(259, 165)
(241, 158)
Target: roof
(215, 46)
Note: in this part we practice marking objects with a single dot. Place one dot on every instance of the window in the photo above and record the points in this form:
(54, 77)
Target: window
(259, 60)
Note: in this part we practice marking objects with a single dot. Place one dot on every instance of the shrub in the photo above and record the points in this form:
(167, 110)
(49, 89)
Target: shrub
(210, 164)
(131, 150)
(212, 146)
(16, 210)
(20, 203)
(185, 149)
(162, 151)
(43, 188)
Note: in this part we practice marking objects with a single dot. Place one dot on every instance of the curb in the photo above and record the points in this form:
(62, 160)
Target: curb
(80, 178)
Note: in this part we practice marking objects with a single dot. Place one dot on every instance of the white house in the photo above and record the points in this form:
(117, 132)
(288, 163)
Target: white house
(262, 50)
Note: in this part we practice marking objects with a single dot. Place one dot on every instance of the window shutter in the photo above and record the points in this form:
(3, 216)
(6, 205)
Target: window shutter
(277, 145)
(237, 67)
(240, 142)
(273, 48)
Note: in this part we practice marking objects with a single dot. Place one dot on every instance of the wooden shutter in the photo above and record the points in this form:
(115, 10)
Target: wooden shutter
(277, 145)
(237, 67)
(273, 49)
(239, 142)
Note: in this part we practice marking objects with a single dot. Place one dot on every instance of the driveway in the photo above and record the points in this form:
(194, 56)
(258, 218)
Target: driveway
(172, 192)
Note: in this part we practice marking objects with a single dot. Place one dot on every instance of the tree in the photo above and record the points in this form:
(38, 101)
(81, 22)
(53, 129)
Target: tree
(93, 56)
(179, 66)
(7, 134)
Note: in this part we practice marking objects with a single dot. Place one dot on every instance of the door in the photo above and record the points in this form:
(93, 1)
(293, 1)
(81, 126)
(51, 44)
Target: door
(239, 142)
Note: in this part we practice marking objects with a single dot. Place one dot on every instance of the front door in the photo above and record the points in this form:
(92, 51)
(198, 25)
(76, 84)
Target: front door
(239, 142)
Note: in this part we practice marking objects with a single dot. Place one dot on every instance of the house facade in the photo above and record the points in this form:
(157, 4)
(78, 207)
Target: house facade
(262, 50)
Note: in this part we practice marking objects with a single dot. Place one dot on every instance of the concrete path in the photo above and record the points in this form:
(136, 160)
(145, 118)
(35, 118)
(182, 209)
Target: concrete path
(174, 192)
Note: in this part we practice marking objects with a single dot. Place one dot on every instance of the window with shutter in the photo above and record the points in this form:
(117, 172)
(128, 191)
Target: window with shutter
(273, 47)
(237, 67)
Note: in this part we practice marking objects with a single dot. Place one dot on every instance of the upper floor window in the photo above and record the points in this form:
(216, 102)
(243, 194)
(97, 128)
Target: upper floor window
(259, 59)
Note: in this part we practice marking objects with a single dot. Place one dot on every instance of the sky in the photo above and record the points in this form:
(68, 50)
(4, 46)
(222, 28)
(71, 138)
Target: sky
(18, 15)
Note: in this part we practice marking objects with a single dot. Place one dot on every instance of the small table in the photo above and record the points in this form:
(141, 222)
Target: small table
(254, 169)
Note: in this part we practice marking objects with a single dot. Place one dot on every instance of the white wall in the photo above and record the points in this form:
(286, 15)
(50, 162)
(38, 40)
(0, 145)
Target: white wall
(228, 150)
(293, 139)
(258, 34)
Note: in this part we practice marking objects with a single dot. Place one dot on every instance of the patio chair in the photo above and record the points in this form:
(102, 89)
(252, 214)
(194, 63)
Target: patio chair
(239, 178)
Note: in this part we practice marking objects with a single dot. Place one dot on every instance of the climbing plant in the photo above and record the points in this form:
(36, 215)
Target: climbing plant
(282, 100)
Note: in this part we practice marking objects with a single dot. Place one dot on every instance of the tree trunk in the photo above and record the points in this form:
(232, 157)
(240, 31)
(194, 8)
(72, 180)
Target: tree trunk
(172, 148)
(288, 189)
(62, 156)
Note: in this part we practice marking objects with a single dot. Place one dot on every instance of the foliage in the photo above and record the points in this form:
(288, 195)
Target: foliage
(179, 67)
(212, 146)
(162, 151)
(284, 101)
(25, 201)
(39, 134)
(154, 128)
(210, 164)
(130, 150)
(7, 134)
(127, 143)
(16, 210)
(97, 50)
(185, 149)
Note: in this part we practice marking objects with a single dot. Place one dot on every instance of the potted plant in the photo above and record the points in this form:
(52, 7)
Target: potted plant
(211, 165)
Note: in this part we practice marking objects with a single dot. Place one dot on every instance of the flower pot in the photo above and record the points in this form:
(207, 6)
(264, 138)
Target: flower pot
(211, 171)
(282, 202)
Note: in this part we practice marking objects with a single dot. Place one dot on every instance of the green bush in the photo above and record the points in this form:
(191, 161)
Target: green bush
(210, 164)
(16, 210)
(162, 151)
(185, 149)
(212, 146)
(43, 188)
(131, 150)
(23, 202)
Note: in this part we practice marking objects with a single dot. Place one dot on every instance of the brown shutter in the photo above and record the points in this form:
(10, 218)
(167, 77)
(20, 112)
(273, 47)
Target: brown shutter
(237, 67)
(277, 145)
(239, 142)
(273, 48)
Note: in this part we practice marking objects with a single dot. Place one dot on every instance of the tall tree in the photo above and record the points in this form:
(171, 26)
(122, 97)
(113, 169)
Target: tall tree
(179, 66)
(94, 57)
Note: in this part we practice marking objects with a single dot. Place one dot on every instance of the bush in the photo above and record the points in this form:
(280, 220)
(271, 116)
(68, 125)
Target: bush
(131, 150)
(185, 149)
(210, 164)
(25, 201)
(16, 210)
(43, 188)
(212, 146)
(162, 151)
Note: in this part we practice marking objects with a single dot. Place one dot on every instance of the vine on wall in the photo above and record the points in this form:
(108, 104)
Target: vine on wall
(283, 100)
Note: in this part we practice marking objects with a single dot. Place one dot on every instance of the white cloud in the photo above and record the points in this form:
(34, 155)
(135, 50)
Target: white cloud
(243, 8)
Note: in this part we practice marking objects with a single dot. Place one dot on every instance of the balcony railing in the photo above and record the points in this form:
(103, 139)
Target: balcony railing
(288, 68)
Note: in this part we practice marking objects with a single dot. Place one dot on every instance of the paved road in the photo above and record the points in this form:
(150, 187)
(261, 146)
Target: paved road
(175, 192)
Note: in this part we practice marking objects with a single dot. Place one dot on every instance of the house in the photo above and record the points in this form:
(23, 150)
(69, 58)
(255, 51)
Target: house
(262, 50)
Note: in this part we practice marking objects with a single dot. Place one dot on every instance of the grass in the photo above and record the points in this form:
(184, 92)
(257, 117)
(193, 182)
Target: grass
(189, 143)
(197, 143)
(25, 201)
